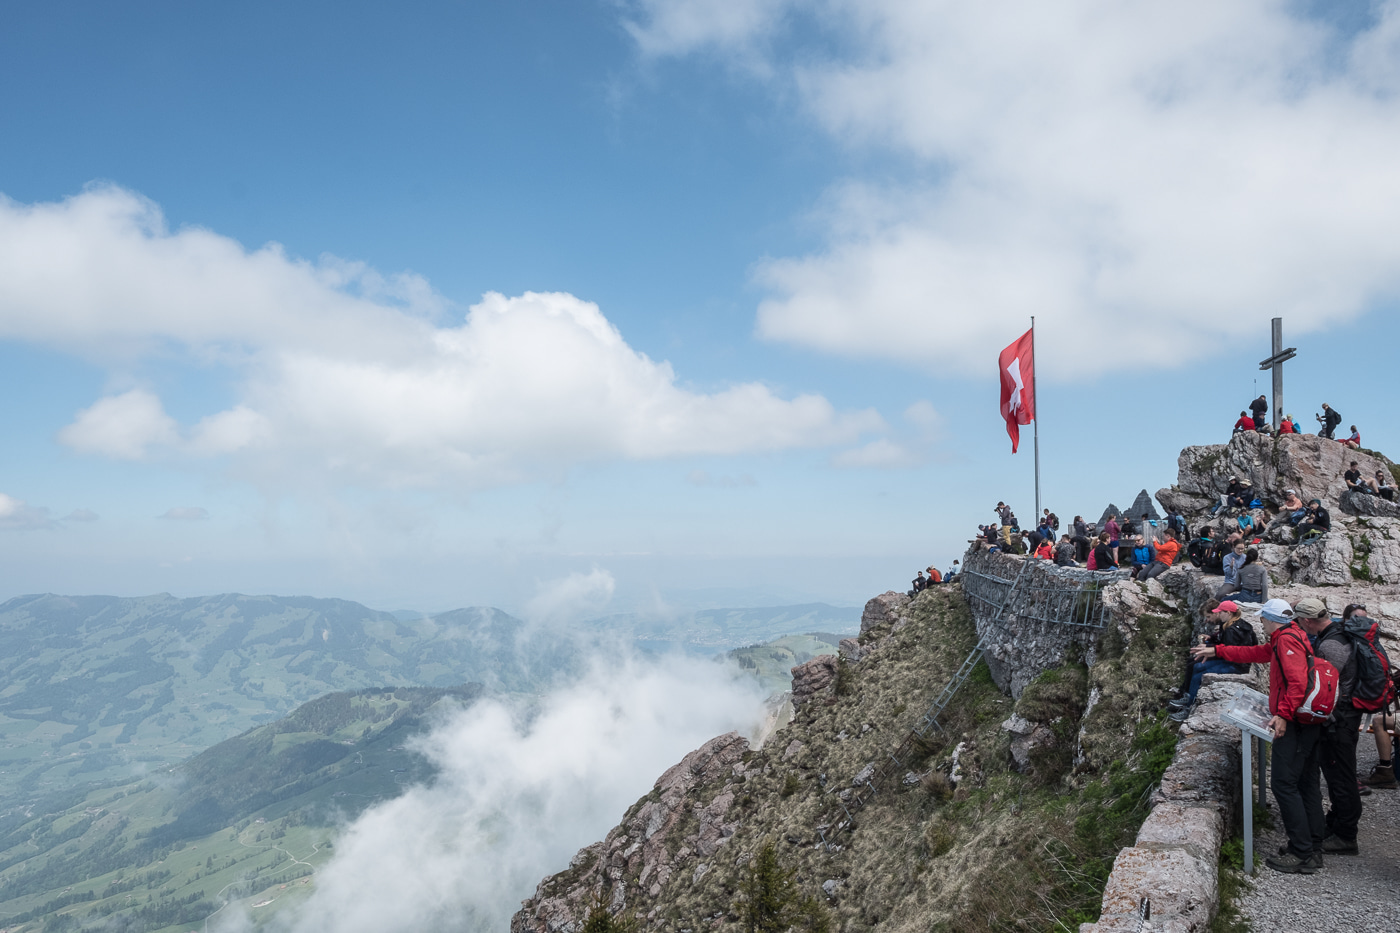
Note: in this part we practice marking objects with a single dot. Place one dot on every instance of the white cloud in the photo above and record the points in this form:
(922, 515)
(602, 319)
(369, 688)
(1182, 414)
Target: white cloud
(516, 799)
(346, 372)
(81, 515)
(1165, 177)
(124, 427)
(185, 513)
(880, 453)
(661, 27)
(571, 598)
(18, 515)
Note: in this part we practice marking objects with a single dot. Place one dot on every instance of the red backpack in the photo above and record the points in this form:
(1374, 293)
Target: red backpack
(1374, 688)
(1320, 694)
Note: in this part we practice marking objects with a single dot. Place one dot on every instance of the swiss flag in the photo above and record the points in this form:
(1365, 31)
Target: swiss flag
(1017, 365)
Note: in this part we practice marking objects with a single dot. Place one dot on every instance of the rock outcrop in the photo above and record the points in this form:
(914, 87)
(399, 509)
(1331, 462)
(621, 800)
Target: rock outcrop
(665, 834)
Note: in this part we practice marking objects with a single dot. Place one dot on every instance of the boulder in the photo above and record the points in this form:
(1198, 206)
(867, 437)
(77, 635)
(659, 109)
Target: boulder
(1325, 561)
(882, 610)
(1363, 503)
(1026, 737)
(813, 679)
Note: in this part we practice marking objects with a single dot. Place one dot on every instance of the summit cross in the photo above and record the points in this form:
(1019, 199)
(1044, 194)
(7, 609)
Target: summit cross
(1275, 363)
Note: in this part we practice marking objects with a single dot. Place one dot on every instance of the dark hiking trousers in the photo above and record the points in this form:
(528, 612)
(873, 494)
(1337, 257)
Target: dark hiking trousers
(1339, 768)
(1297, 787)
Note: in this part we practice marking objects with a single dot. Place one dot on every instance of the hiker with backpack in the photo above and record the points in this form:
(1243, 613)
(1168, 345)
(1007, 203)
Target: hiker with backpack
(1329, 421)
(1339, 735)
(1302, 689)
(1230, 630)
(1372, 695)
(1258, 408)
(1204, 552)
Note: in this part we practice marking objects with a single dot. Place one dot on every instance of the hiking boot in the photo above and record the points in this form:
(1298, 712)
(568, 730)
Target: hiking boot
(1178, 703)
(1293, 865)
(1181, 715)
(1336, 845)
(1381, 777)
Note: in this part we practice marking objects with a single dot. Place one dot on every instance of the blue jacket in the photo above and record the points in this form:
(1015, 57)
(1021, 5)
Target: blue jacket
(1143, 555)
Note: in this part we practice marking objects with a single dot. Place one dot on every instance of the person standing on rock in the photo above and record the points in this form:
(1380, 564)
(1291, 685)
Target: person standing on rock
(1329, 419)
(1081, 540)
(1339, 734)
(1297, 747)
(1259, 407)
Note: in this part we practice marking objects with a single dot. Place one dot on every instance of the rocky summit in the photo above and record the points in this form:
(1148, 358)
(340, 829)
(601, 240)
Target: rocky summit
(1047, 793)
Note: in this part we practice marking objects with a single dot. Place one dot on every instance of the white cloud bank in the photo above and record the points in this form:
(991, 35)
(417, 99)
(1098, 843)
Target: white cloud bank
(1144, 178)
(349, 372)
(516, 800)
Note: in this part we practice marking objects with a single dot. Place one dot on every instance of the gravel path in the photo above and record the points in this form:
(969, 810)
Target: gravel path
(1353, 893)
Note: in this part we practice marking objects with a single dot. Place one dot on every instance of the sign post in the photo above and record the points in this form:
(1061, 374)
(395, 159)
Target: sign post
(1250, 712)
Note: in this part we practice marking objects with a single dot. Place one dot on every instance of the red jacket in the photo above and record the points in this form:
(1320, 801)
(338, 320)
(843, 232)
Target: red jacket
(1245, 423)
(1288, 682)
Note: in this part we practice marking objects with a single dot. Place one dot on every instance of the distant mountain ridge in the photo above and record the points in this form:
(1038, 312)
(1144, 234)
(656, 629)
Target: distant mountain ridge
(99, 688)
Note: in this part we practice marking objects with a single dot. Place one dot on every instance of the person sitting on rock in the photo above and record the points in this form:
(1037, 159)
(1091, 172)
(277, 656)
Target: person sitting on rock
(1354, 442)
(1142, 555)
(1317, 521)
(1355, 482)
(1230, 565)
(1238, 494)
(1104, 556)
(1288, 425)
(1254, 579)
(1295, 753)
(918, 584)
(1229, 629)
(1381, 486)
(934, 577)
(1046, 549)
(1329, 419)
(1246, 423)
(1065, 552)
(1293, 508)
(952, 574)
(1163, 556)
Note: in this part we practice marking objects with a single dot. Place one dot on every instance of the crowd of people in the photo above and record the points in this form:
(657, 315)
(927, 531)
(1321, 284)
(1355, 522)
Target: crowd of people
(1304, 642)
(1254, 419)
(934, 578)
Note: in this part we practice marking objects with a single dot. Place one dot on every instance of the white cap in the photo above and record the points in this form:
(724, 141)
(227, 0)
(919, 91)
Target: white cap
(1277, 610)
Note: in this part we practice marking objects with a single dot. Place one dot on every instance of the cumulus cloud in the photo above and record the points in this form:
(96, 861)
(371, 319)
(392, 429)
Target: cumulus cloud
(18, 515)
(124, 427)
(517, 796)
(359, 375)
(1152, 176)
(185, 513)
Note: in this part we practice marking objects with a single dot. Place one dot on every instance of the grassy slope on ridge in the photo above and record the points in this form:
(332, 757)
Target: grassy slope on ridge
(1004, 851)
(251, 817)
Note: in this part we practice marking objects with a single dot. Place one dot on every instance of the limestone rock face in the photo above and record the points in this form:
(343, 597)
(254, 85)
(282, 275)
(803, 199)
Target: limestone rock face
(883, 609)
(645, 844)
(813, 679)
(1325, 562)
(1313, 466)
(1026, 737)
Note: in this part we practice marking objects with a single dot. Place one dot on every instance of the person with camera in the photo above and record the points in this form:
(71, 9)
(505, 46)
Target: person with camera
(1329, 421)
(1229, 629)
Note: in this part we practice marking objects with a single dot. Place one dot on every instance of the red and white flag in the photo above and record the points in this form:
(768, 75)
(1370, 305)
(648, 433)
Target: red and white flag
(1017, 365)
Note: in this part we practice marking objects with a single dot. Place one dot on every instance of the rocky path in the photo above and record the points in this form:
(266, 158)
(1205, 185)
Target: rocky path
(1353, 893)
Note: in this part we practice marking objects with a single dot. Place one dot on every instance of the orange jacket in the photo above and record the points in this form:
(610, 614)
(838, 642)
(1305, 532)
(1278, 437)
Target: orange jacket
(1167, 551)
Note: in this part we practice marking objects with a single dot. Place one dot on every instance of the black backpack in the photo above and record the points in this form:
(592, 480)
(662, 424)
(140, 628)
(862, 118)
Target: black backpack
(1371, 688)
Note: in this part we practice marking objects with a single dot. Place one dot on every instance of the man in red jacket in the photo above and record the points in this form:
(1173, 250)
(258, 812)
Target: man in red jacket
(1296, 779)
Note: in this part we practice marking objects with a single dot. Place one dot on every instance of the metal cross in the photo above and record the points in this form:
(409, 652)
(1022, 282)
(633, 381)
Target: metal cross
(1275, 362)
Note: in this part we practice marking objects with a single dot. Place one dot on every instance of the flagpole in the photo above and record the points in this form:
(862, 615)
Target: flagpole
(1035, 407)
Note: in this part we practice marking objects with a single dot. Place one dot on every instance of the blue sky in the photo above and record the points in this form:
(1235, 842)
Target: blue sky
(678, 302)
